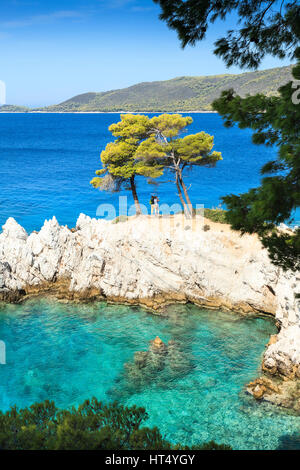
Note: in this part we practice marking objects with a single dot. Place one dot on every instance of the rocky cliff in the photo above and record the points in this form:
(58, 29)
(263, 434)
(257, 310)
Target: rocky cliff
(153, 262)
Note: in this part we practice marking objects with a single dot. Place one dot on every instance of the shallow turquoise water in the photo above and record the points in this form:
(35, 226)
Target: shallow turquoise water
(69, 352)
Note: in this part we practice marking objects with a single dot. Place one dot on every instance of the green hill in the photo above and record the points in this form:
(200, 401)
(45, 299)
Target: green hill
(7, 108)
(178, 94)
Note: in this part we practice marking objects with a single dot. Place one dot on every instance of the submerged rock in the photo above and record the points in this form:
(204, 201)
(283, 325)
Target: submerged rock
(160, 364)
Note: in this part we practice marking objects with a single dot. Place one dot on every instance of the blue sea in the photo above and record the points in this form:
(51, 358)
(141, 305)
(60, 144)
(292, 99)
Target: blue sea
(48, 160)
(68, 352)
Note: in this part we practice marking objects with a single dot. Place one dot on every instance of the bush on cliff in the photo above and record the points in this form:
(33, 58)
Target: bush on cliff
(90, 426)
(216, 215)
(120, 219)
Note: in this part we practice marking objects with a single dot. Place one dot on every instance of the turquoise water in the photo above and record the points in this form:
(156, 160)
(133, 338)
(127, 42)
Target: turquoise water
(69, 352)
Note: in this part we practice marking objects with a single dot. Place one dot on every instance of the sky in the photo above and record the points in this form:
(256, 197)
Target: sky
(53, 50)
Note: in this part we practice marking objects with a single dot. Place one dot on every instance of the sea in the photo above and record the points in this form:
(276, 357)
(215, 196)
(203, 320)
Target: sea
(48, 160)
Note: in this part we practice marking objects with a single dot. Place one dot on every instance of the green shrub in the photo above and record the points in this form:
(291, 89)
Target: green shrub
(90, 426)
(216, 215)
(120, 218)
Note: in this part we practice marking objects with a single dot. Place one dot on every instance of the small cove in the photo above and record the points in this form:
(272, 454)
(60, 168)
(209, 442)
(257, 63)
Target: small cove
(69, 352)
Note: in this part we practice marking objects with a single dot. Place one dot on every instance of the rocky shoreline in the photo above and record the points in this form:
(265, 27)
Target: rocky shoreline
(154, 262)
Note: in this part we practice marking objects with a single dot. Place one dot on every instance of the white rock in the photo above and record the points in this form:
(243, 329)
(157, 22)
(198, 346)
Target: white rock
(11, 229)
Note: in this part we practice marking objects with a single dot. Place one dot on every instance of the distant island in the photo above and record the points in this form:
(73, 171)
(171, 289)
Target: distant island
(179, 94)
(10, 108)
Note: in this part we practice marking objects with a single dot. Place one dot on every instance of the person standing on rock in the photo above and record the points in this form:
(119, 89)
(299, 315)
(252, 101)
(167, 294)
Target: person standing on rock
(152, 204)
(156, 206)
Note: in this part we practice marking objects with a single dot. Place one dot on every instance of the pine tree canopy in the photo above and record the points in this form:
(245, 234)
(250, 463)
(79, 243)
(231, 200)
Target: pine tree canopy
(197, 149)
(135, 126)
(264, 27)
(169, 124)
(118, 162)
(119, 158)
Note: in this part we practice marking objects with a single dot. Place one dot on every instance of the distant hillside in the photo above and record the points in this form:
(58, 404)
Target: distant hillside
(7, 108)
(178, 94)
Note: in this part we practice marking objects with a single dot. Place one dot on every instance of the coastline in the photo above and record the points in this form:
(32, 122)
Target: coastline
(216, 269)
(107, 112)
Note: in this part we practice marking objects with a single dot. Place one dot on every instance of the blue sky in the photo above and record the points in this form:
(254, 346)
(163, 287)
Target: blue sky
(53, 50)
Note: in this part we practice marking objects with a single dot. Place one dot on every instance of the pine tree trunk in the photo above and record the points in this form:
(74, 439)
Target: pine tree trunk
(135, 196)
(187, 198)
(185, 207)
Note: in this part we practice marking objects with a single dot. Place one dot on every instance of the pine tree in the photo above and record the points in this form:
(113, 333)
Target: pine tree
(165, 149)
(119, 162)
